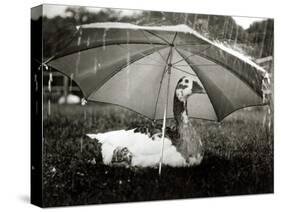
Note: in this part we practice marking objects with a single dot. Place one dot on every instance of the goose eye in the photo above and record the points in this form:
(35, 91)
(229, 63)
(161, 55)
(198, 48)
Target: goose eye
(186, 80)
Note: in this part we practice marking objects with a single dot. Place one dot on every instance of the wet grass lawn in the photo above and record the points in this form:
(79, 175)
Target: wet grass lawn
(238, 159)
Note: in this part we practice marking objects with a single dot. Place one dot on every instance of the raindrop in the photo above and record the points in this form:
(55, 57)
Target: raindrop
(70, 84)
(230, 36)
(79, 41)
(128, 66)
(36, 83)
(79, 38)
(49, 107)
(50, 82)
(104, 39)
(81, 144)
(185, 18)
(79, 53)
(88, 41)
(194, 21)
(263, 39)
(128, 82)
(50, 89)
(91, 118)
(267, 98)
(77, 63)
(266, 88)
(95, 65)
(236, 36)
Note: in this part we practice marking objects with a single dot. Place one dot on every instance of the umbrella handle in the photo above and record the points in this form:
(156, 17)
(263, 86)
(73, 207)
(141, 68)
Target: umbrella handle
(166, 104)
(164, 123)
(162, 139)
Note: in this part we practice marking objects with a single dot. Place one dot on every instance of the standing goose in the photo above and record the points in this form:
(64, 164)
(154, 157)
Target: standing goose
(187, 142)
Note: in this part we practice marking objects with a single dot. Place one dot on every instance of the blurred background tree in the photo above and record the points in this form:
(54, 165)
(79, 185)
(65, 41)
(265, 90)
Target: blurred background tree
(256, 41)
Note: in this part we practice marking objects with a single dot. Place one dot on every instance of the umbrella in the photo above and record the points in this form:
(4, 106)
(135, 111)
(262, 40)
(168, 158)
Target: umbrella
(138, 67)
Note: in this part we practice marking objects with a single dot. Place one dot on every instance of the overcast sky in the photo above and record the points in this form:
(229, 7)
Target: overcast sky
(53, 10)
(245, 22)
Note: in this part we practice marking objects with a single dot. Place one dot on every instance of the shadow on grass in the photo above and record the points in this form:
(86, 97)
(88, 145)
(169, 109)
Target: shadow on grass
(216, 176)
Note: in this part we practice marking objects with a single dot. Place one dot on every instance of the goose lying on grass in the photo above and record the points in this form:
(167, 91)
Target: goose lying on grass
(142, 146)
(129, 147)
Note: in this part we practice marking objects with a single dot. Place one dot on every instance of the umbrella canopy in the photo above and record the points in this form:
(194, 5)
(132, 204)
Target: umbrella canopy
(138, 67)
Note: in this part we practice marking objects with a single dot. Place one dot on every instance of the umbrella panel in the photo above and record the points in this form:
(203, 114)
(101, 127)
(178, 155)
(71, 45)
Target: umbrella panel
(85, 39)
(143, 88)
(93, 67)
(136, 86)
(245, 71)
(226, 90)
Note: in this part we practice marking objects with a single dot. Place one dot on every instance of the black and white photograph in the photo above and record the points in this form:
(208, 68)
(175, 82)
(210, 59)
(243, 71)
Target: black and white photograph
(142, 105)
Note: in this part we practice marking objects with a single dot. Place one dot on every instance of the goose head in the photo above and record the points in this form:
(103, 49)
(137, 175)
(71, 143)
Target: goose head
(184, 89)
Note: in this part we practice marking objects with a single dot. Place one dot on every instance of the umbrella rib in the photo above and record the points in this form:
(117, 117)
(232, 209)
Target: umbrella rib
(174, 37)
(144, 64)
(228, 69)
(153, 45)
(162, 77)
(135, 58)
(184, 71)
(163, 39)
(160, 64)
(63, 73)
(193, 54)
(158, 93)
(195, 70)
(68, 43)
(169, 58)
(231, 71)
(98, 46)
(197, 65)
(191, 44)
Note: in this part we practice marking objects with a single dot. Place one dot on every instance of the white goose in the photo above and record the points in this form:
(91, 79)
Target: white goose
(141, 149)
(137, 149)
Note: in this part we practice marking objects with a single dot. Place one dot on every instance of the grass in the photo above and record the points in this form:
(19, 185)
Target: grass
(238, 159)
